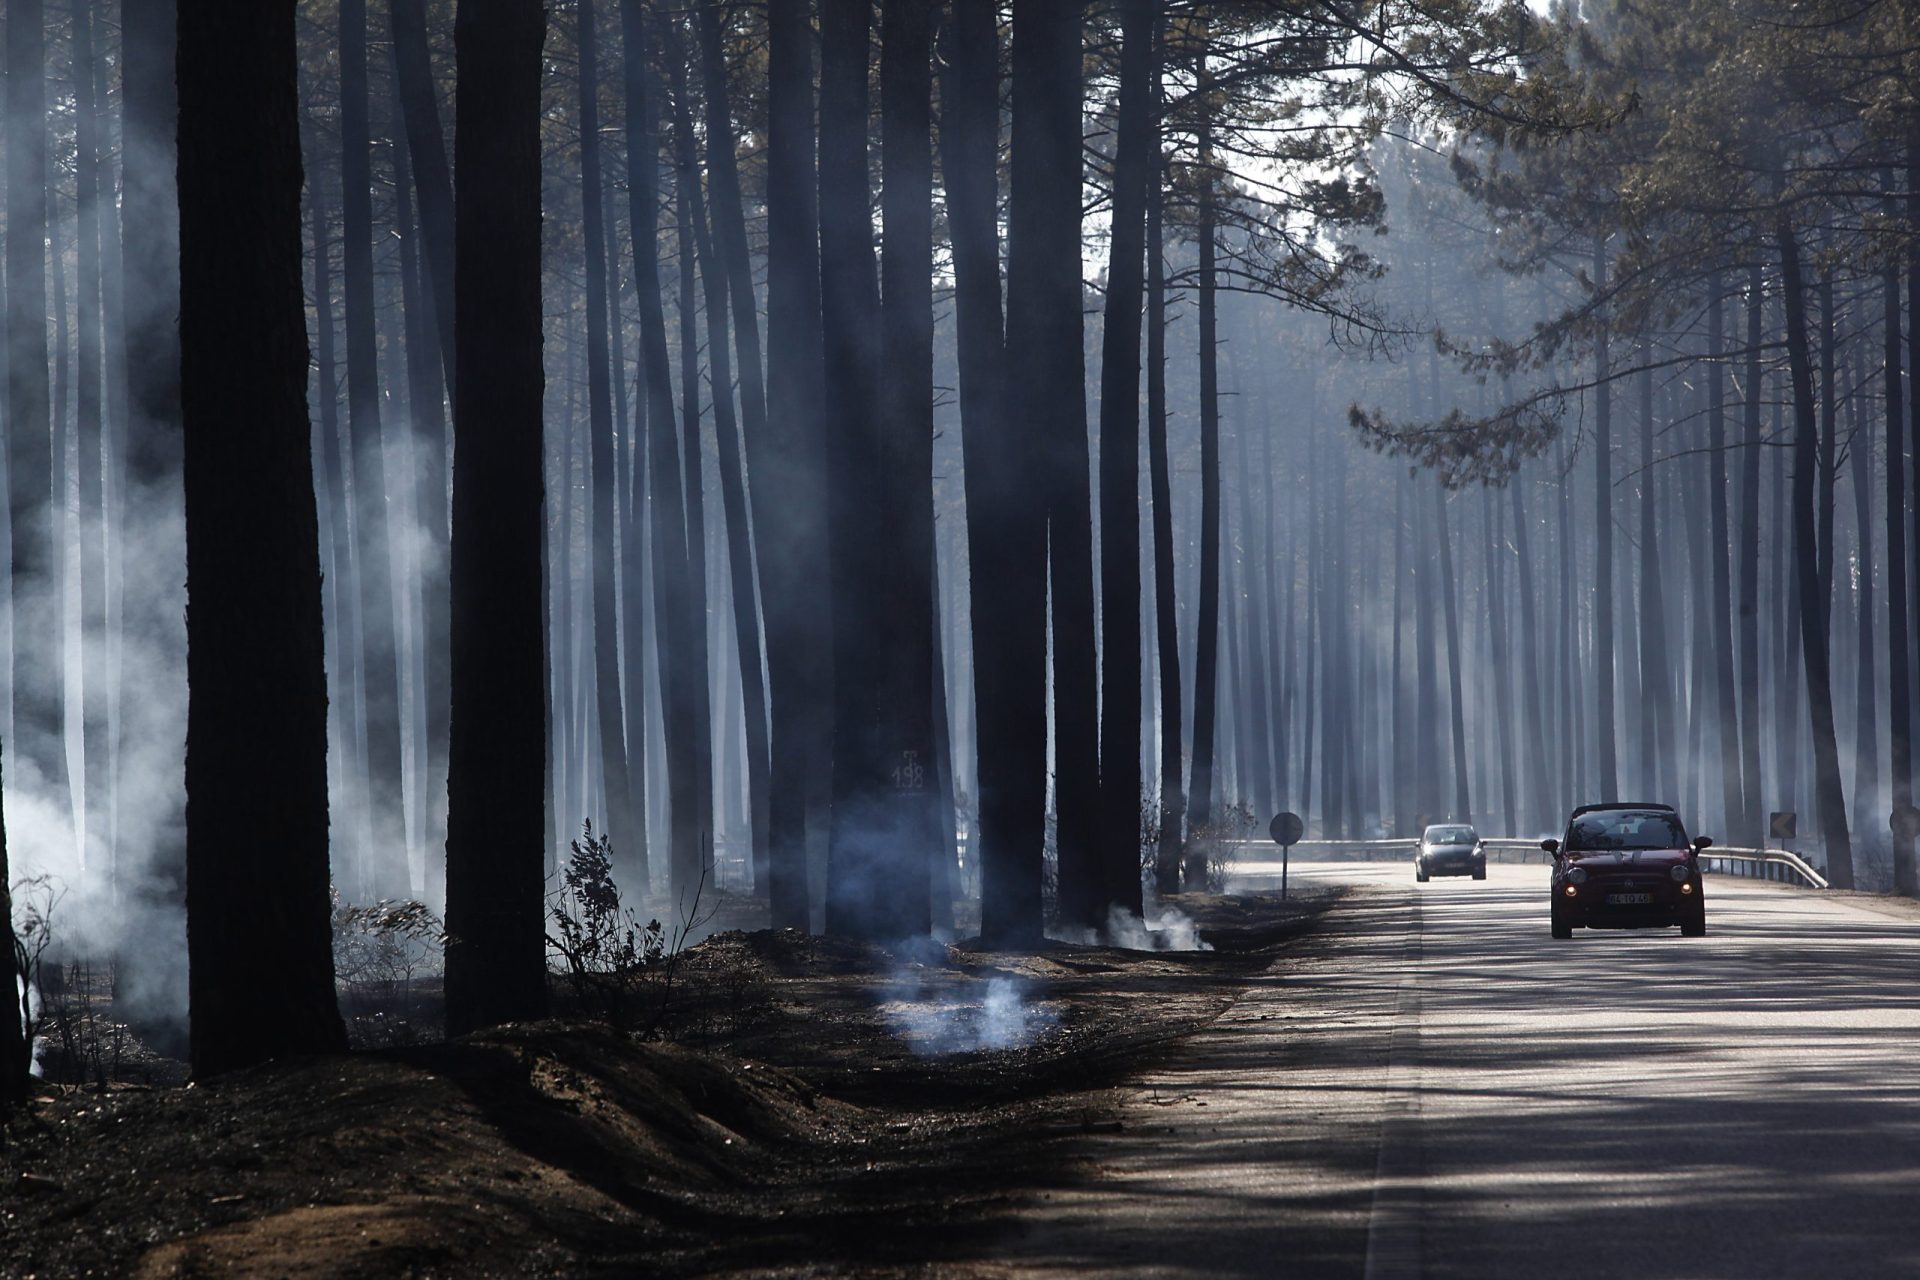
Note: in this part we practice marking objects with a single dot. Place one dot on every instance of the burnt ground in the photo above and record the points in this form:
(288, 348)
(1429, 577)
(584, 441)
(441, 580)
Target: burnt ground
(775, 1105)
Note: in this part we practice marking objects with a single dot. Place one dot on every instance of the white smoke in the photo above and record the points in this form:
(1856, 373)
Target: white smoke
(938, 1021)
(1159, 928)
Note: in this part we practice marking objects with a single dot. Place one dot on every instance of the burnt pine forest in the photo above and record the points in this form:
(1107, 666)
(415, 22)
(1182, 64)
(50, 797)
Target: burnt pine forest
(510, 471)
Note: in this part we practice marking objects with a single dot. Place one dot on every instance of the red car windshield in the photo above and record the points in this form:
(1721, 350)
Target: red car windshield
(1593, 832)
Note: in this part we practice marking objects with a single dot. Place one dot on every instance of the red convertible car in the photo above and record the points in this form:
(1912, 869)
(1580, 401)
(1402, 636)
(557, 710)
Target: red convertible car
(1626, 866)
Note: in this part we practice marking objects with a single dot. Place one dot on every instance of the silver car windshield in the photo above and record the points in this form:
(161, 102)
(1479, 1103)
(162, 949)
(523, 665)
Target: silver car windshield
(1450, 835)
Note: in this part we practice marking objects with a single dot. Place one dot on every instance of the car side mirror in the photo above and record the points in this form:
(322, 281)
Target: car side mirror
(1702, 843)
(1551, 846)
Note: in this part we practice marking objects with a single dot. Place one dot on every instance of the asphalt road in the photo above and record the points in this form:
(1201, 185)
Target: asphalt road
(1430, 1085)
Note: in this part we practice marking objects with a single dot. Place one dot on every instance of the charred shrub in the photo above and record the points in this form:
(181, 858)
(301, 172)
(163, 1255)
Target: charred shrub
(1213, 849)
(382, 955)
(605, 953)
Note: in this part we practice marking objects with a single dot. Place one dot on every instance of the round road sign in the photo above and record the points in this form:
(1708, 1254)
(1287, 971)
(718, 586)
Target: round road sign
(1905, 822)
(1286, 829)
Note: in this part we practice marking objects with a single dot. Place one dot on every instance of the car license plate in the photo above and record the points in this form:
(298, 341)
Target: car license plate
(1629, 899)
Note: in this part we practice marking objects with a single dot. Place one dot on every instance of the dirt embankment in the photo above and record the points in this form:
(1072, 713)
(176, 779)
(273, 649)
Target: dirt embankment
(816, 1107)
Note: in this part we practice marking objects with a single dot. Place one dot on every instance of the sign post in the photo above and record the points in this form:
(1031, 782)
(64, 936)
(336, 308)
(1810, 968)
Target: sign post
(1286, 830)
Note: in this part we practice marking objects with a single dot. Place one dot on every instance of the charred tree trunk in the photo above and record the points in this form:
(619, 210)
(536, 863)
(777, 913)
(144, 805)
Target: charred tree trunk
(1751, 828)
(1256, 771)
(496, 829)
(39, 680)
(733, 496)
(1462, 792)
(94, 676)
(1603, 733)
(906, 419)
(1173, 803)
(1906, 874)
(429, 312)
(1206, 645)
(621, 819)
(677, 631)
(1829, 792)
(792, 532)
(877, 868)
(730, 265)
(382, 867)
(1120, 685)
(849, 304)
(432, 182)
(691, 475)
(149, 269)
(1059, 423)
(1656, 685)
(259, 941)
(1006, 530)
(1866, 727)
(1540, 812)
(1720, 605)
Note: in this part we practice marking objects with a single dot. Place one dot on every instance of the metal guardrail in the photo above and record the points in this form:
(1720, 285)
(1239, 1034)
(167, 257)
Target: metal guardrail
(1784, 858)
(1512, 850)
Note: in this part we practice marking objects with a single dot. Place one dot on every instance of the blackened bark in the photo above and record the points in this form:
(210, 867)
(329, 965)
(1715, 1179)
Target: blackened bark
(1426, 647)
(381, 868)
(1256, 769)
(1656, 686)
(1207, 639)
(698, 669)
(151, 255)
(1720, 604)
(1462, 791)
(432, 182)
(1058, 421)
(1829, 449)
(1903, 849)
(1173, 803)
(259, 940)
(1906, 875)
(620, 821)
(1120, 467)
(1006, 529)
(730, 265)
(1751, 830)
(905, 405)
(1539, 812)
(1603, 723)
(1866, 727)
(430, 370)
(342, 611)
(94, 674)
(38, 663)
(1404, 806)
(496, 825)
(943, 866)
(882, 754)
(429, 457)
(733, 497)
(1829, 793)
(148, 270)
(790, 521)
(677, 631)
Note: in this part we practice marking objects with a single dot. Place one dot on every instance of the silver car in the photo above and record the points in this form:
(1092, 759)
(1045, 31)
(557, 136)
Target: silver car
(1449, 849)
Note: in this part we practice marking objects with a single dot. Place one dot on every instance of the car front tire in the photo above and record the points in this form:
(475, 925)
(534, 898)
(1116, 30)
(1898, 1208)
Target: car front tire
(1479, 873)
(1420, 872)
(1694, 923)
(1562, 926)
